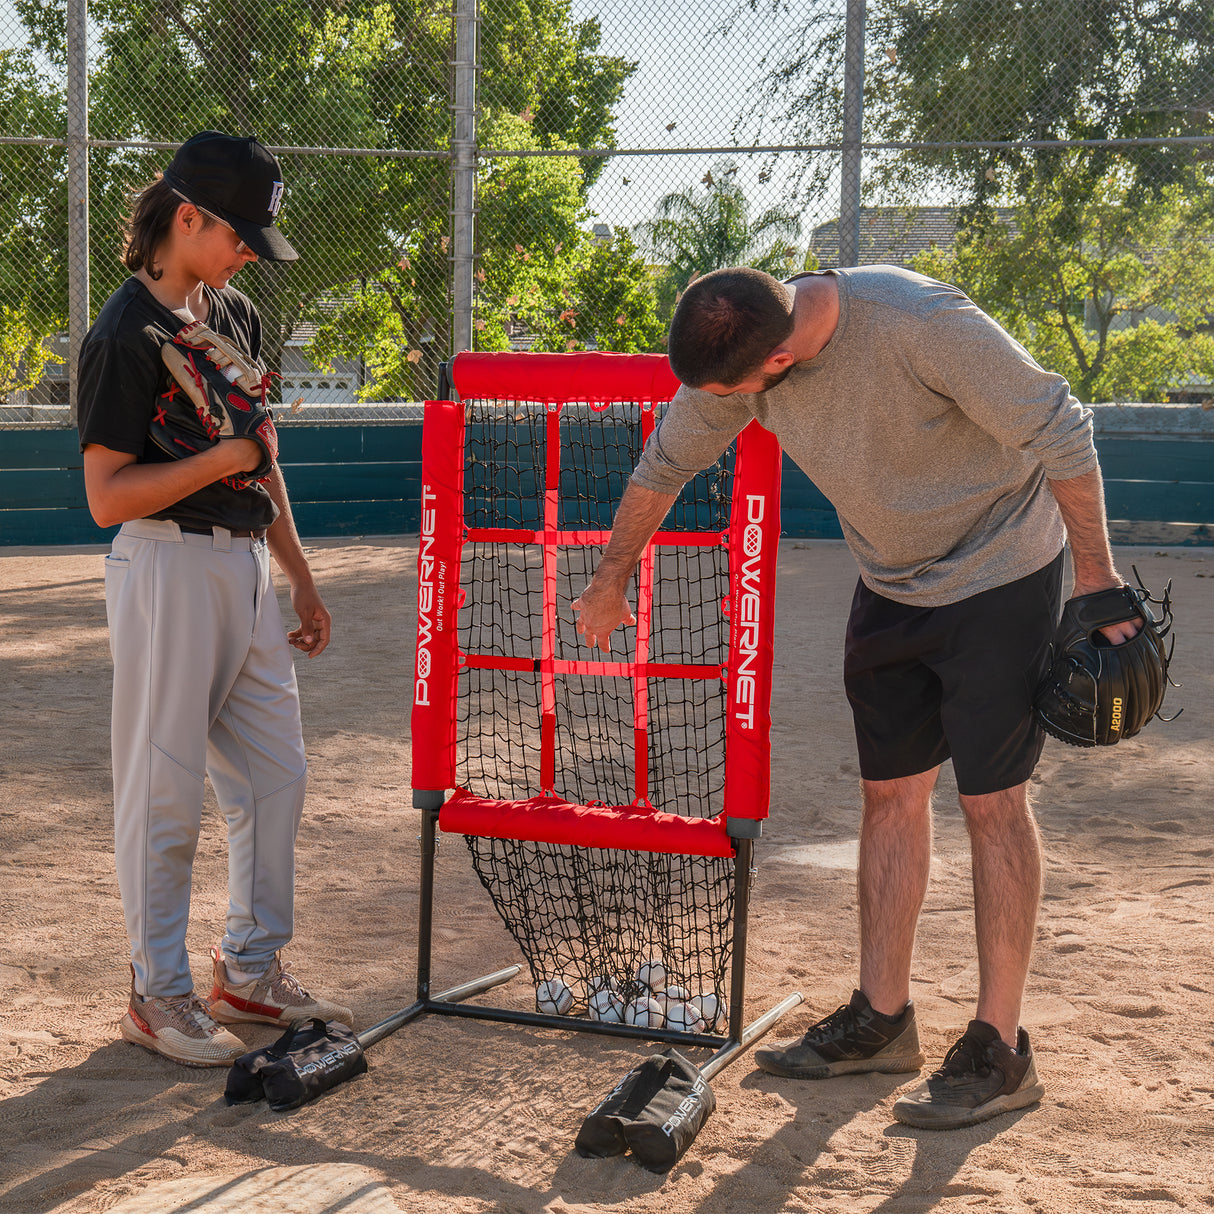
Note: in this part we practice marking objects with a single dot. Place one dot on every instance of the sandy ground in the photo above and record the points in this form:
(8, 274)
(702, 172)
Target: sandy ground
(467, 1116)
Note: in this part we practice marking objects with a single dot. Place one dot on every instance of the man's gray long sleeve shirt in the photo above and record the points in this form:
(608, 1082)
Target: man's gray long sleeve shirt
(930, 429)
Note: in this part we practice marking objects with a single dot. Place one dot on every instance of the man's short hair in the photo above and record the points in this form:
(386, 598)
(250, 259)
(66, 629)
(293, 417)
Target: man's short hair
(726, 325)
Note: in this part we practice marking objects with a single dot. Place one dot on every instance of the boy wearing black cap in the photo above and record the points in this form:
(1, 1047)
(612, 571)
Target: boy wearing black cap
(203, 679)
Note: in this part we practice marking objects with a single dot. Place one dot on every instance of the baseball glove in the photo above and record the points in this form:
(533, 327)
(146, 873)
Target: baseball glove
(217, 392)
(1097, 693)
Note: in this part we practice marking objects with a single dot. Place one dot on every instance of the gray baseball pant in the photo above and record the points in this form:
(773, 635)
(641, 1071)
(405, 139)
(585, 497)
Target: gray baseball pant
(203, 684)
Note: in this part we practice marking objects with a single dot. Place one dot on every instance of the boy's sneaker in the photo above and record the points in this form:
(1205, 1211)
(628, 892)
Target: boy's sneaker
(981, 1076)
(180, 1028)
(851, 1039)
(274, 997)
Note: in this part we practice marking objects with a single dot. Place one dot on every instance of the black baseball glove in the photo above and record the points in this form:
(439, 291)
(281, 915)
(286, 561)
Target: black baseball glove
(1097, 693)
(217, 392)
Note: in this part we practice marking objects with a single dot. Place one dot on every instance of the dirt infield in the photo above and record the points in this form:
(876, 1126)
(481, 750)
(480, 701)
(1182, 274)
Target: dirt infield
(468, 1116)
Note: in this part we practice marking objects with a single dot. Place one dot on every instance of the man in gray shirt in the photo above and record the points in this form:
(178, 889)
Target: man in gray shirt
(959, 468)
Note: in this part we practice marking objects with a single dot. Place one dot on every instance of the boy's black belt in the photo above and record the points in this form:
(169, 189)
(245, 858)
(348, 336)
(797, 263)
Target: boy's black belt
(238, 535)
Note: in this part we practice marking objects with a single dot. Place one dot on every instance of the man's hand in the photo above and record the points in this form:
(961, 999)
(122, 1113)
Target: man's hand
(603, 605)
(602, 609)
(1115, 634)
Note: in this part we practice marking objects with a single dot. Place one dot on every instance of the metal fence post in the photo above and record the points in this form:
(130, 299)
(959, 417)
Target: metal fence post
(853, 133)
(77, 187)
(463, 174)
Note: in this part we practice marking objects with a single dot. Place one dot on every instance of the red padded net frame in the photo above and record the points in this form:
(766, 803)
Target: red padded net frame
(553, 396)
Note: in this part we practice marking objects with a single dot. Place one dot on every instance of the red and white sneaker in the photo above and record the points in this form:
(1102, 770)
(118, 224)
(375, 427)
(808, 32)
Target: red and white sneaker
(181, 1028)
(275, 997)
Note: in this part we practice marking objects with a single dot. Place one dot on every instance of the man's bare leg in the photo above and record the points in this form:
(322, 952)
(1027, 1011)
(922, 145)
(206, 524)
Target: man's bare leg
(1007, 860)
(895, 857)
(895, 861)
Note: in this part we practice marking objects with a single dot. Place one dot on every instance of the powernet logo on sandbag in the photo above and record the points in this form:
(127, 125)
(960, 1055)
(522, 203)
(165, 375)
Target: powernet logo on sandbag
(330, 1061)
(688, 1106)
(748, 610)
(431, 594)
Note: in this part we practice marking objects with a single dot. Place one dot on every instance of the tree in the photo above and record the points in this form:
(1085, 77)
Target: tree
(606, 299)
(538, 270)
(33, 224)
(1115, 296)
(949, 71)
(695, 231)
(362, 74)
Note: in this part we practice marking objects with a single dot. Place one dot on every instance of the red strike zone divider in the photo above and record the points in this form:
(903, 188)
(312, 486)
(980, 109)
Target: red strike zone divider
(557, 379)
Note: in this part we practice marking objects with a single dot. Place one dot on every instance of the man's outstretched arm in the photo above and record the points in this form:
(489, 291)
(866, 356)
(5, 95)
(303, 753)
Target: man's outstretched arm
(603, 605)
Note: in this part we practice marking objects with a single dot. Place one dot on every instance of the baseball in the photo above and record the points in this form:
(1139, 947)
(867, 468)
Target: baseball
(711, 1008)
(599, 982)
(673, 994)
(606, 1005)
(684, 1018)
(645, 1012)
(553, 997)
(653, 975)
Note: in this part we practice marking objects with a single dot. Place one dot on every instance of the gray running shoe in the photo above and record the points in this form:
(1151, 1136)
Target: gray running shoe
(275, 997)
(851, 1039)
(180, 1028)
(981, 1076)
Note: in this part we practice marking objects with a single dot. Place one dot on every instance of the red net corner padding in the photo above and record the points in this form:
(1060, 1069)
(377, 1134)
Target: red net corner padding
(560, 378)
(753, 542)
(552, 820)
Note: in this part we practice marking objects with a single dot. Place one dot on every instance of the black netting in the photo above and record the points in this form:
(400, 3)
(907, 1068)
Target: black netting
(592, 917)
(502, 617)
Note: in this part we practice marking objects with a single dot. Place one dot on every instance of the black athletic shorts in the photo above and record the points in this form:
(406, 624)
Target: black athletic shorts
(930, 683)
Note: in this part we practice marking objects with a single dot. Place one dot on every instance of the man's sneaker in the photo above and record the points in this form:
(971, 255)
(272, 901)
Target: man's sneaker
(851, 1039)
(275, 997)
(180, 1028)
(980, 1077)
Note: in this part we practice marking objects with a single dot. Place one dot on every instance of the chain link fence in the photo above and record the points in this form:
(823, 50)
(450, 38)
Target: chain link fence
(549, 174)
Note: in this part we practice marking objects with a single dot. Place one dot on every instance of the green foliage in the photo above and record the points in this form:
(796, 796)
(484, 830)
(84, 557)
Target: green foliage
(369, 74)
(952, 71)
(24, 351)
(539, 273)
(1114, 295)
(697, 230)
(606, 299)
(550, 278)
(33, 207)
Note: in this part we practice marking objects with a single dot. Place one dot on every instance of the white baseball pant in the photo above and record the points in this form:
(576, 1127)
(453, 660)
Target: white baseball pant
(203, 684)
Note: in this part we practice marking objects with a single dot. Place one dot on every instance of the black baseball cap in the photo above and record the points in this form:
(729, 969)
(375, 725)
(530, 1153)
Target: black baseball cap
(238, 180)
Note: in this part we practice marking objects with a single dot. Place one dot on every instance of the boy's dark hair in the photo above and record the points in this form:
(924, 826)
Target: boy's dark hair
(143, 231)
(726, 324)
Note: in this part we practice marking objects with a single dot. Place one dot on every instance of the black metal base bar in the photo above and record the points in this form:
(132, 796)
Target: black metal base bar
(377, 1032)
(722, 1058)
(474, 1011)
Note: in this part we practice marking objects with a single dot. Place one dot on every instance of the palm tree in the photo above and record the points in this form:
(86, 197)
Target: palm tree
(697, 230)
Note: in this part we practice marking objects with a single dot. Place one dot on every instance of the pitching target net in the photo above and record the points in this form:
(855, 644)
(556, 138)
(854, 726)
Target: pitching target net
(598, 793)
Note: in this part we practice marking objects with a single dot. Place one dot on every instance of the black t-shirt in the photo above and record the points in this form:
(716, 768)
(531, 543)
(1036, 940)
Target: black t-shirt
(121, 375)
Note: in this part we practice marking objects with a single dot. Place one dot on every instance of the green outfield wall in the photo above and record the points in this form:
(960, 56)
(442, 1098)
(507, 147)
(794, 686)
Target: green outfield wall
(350, 478)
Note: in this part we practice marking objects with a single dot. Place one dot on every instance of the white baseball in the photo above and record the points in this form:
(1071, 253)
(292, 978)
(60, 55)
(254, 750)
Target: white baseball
(645, 1012)
(599, 982)
(653, 975)
(684, 1018)
(553, 997)
(673, 994)
(711, 1008)
(607, 1006)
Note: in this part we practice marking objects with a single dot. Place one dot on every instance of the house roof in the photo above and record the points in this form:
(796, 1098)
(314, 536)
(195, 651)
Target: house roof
(889, 235)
